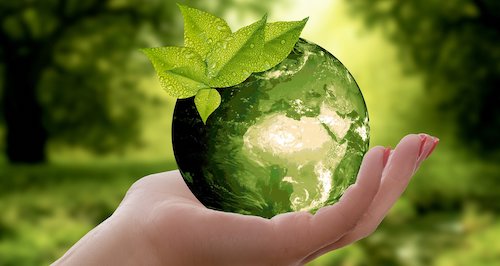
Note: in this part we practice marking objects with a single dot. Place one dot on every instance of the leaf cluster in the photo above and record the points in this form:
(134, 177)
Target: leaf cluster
(215, 57)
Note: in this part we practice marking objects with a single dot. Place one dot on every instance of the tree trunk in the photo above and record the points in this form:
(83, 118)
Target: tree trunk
(26, 136)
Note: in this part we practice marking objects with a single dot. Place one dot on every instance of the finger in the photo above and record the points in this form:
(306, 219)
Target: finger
(401, 166)
(396, 177)
(302, 233)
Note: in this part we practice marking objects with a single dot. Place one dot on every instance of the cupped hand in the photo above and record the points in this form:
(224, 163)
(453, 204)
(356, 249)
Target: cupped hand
(160, 222)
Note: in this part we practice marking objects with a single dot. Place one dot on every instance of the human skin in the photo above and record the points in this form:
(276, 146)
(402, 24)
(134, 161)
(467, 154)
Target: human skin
(160, 222)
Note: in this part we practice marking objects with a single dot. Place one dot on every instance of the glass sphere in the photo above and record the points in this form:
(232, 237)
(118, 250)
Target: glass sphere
(287, 139)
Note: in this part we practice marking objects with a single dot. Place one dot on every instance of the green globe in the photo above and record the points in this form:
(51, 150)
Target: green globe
(291, 138)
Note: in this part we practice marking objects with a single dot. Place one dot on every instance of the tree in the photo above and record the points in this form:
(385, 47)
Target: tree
(60, 60)
(455, 45)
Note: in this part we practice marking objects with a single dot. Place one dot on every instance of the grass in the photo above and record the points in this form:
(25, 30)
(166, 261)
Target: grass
(47, 208)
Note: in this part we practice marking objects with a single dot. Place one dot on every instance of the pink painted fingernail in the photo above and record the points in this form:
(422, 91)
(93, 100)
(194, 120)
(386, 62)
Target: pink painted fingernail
(423, 139)
(434, 144)
(387, 152)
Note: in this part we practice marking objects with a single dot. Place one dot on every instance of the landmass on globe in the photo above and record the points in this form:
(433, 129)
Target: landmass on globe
(265, 122)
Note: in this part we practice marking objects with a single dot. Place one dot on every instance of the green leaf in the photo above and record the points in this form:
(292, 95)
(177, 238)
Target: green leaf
(180, 69)
(233, 59)
(206, 102)
(280, 38)
(202, 30)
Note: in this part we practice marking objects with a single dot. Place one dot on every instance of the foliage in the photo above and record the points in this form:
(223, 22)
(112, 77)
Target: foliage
(68, 65)
(455, 45)
(215, 57)
(206, 102)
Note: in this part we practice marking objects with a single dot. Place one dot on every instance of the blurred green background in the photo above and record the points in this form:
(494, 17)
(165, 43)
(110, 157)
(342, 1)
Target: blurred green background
(82, 115)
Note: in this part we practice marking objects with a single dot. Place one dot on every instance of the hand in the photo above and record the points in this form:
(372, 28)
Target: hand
(160, 222)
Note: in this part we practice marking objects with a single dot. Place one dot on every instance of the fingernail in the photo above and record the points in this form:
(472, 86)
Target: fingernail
(423, 139)
(434, 144)
(387, 152)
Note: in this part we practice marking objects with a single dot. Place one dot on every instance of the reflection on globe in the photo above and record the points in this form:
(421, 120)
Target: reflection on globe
(287, 139)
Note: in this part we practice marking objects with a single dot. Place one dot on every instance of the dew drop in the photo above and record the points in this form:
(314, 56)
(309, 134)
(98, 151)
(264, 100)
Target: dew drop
(210, 40)
(282, 42)
(252, 45)
(170, 88)
(220, 28)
